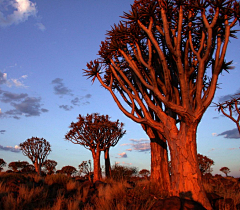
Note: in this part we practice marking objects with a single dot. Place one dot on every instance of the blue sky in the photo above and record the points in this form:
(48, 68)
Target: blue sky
(44, 46)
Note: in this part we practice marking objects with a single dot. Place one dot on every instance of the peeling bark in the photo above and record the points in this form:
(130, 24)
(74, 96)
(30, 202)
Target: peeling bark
(159, 165)
(186, 179)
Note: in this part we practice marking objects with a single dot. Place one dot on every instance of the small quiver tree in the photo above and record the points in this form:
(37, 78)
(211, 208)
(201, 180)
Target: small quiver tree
(17, 166)
(37, 150)
(144, 173)
(50, 166)
(225, 170)
(205, 164)
(231, 109)
(96, 133)
(85, 168)
(69, 170)
(2, 164)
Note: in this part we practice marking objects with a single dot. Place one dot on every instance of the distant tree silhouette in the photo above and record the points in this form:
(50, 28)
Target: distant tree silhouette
(50, 166)
(37, 150)
(86, 168)
(163, 62)
(144, 173)
(120, 172)
(225, 170)
(28, 169)
(230, 108)
(205, 164)
(2, 164)
(96, 133)
(18, 165)
(69, 170)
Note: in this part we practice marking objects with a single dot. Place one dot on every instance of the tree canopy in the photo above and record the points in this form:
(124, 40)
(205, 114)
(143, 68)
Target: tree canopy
(161, 65)
(37, 150)
(96, 133)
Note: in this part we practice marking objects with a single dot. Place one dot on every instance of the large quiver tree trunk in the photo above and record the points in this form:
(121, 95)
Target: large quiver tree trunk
(186, 180)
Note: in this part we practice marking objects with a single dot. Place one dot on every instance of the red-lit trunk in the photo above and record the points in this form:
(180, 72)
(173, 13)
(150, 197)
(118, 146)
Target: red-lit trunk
(186, 180)
(159, 164)
(96, 164)
(107, 163)
(37, 168)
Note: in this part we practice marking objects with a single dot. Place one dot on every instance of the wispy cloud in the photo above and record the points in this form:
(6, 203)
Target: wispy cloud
(22, 10)
(40, 26)
(228, 96)
(10, 148)
(233, 148)
(122, 155)
(17, 82)
(23, 105)
(230, 134)
(60, 88)
(141, 145)
(66, 107)
(2, 131)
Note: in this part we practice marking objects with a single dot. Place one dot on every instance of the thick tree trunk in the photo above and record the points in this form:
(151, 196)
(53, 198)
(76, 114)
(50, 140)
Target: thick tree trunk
(37, 168)
(159, 164)
(96, 165)
(107, 163)
(186, 178)
(159, 159)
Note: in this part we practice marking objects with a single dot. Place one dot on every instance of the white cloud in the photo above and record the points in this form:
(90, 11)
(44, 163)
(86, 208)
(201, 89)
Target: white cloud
(22, 10)
(17, 147)
(123, 155)
(11, 82)
(40, 26)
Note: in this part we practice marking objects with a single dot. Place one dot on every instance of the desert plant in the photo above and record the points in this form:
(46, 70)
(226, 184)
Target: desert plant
(163, 61)
(37, 150)
(120, 172)
(225, 170)
(205, 164)
(18, 165)
(2, 164)
(96, 133)
(69, 170)
(50, 166)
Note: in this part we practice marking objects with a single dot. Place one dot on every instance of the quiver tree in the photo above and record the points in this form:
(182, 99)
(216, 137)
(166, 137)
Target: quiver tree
(113, 133)
(86, 168)
(96, 133)
(231, 109)
(69, 170)
(205, 164)
(164, 61)
(37, 150)
(225, 170)
(2, 164)
(17, 166)
(50, 166)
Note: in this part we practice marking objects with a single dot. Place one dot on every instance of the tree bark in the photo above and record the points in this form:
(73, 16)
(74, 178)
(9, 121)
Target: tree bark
(37, 168)
(186, 179)
(159, 164)
(96, 165)
(107, 163)
(159, 159)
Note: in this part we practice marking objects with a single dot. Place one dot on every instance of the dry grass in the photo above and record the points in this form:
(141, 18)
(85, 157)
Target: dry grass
(57, 192)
